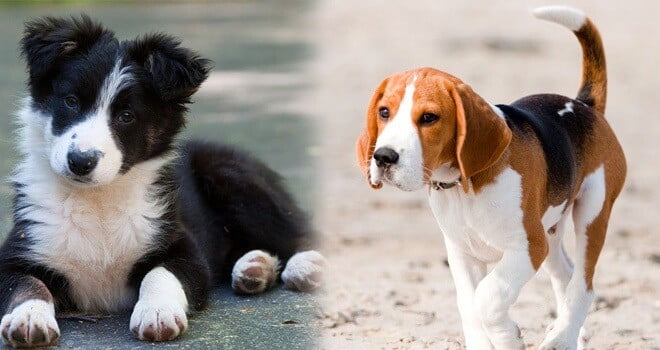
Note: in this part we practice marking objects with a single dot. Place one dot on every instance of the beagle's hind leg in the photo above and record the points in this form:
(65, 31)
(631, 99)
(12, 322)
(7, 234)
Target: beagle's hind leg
(591, 213)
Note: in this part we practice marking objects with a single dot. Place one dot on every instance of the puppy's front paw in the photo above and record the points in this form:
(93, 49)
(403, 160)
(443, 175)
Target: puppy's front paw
(30, 324)
(158, 322)
(254, 272)
(304, 271)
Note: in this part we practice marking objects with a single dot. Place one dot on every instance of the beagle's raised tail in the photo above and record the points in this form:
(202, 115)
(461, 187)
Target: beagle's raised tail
(593, 89)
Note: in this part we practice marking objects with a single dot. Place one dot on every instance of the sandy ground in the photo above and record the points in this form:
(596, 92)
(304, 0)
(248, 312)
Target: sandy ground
(389, 286)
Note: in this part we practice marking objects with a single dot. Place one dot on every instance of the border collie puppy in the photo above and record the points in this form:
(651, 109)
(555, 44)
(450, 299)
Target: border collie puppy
(108, 215)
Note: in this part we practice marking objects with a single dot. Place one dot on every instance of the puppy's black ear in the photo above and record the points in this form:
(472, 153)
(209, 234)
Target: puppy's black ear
(176, 72)
(49, 40)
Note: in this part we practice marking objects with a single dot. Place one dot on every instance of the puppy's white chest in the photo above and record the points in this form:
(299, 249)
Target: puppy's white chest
(93, 239)
(484, 224)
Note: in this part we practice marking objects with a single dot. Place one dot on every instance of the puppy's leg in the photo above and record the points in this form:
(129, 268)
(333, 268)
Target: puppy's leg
(160, 313)
(178, 281)
(29, 312)
(304, 271)
(467, 272)
(497, 292)
(590, 215)
(254, 272)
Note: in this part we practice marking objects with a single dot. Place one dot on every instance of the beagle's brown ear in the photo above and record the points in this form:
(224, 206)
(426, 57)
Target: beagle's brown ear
(367, 141)
(481, 135)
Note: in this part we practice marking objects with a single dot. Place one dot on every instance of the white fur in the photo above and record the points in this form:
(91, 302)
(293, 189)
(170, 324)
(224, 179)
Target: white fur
(401, 135)
(445, 173)
(552, 215)
(93, 133)
(569, 17)
(301, 270)
(93, 236)
(479, 229)
(497, 111)
(573, 311)
(34, 314)
(162, 301)
(270, 270)
(568, 108)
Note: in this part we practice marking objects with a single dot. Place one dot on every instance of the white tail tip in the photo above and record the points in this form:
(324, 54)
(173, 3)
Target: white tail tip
(569, 17)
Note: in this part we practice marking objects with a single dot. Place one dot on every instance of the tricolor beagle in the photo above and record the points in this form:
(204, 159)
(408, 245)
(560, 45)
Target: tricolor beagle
(502, 181)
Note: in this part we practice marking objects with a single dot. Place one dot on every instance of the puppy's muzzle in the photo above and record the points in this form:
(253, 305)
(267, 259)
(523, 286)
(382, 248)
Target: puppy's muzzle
(385, 157)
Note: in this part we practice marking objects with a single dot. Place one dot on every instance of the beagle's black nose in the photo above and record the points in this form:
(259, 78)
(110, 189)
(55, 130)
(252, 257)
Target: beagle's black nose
(385, 156)
(82, 163)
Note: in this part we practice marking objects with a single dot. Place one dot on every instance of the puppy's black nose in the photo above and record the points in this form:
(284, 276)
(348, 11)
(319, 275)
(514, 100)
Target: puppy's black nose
(385, 156)
(82, 163)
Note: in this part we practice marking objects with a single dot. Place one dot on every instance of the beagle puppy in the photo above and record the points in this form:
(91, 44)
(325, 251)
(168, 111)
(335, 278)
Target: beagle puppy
(502, 181)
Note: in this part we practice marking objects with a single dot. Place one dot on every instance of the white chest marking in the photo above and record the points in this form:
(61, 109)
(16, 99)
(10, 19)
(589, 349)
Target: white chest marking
(483, 224)
(91, 236)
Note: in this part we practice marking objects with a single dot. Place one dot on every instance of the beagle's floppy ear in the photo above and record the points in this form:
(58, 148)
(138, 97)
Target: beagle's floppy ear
(367, 141)
(481, 135)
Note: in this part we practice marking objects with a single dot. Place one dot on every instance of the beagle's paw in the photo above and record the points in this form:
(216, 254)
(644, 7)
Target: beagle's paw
(158, 321)
(30, 324)
(254, 272)
(558, 342)
(304, 271)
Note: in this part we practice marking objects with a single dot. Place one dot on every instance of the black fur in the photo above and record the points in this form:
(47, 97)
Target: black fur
(222, 203)
(562, 137)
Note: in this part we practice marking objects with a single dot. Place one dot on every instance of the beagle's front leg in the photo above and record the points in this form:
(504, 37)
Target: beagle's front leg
(497, 292)
(467, 272)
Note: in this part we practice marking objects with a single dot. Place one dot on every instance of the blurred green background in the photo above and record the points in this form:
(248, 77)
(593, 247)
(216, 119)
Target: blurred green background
(249, 100)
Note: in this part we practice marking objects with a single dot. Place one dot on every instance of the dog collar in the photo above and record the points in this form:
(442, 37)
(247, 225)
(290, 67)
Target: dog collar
(437, 185)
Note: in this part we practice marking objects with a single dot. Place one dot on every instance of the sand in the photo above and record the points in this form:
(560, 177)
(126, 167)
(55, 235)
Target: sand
(389, 285)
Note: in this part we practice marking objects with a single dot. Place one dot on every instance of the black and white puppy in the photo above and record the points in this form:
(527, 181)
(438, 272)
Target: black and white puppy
(109, 215)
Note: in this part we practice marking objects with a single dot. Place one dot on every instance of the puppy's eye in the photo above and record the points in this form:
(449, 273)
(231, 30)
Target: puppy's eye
(71, 101)
(126, 117)
(384, 113)
(428, 119)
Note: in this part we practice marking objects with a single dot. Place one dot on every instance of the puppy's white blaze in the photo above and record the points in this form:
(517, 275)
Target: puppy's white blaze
(117, 80)
(161, 287)
(401, 135)
(568, 108)
(569, 17)
(94, 132)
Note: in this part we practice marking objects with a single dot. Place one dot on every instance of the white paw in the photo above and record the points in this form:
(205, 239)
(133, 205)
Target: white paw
(304, 271)
(30, 324)
(558, 341)
(583, 339)
(254, 272)
(158, 321)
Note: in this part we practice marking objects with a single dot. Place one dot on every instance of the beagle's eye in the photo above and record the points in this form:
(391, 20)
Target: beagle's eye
(428, 119)
(71, 101)
(384, 113)
(126, 117)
